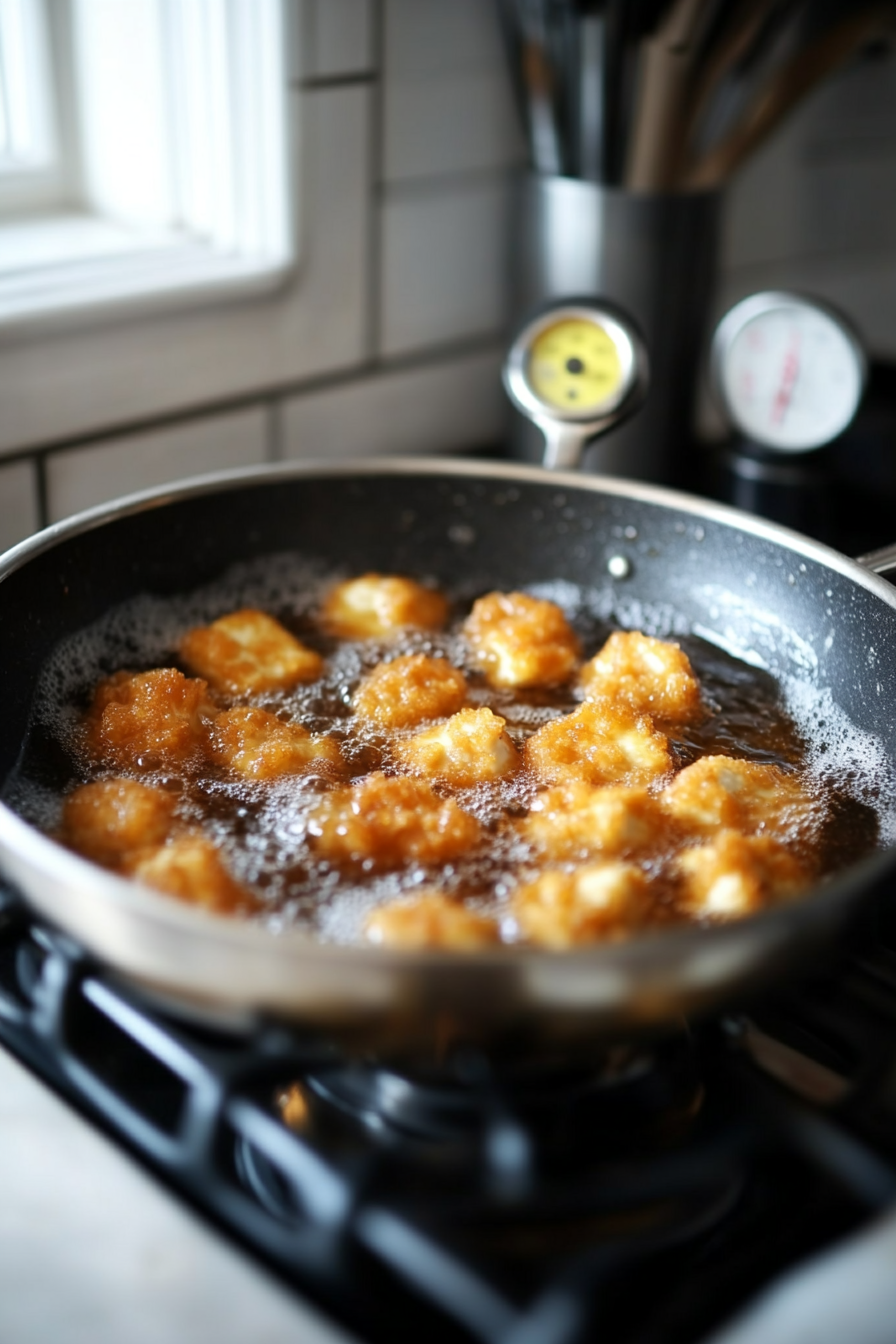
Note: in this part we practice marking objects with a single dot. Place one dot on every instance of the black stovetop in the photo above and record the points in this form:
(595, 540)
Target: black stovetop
(640, 1199)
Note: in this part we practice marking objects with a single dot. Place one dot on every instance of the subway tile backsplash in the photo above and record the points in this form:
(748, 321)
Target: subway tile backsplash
(389, 337)
(19, 508)
(450, 404)
(80, 477)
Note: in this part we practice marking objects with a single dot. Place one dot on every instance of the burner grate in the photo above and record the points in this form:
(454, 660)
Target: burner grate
(652, 1197)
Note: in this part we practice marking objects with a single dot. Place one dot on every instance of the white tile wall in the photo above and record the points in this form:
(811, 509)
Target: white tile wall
(454, 404)
(80, 477)
(437, 37)
(341, 38)
(449, 124)
(444, 263)
(19, 512)
(389, 335)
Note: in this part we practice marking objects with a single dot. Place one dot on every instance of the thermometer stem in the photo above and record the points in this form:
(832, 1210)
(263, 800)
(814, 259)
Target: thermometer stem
(564, 445)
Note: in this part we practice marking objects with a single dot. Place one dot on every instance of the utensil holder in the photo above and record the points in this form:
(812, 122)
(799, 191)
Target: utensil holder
(654, 256)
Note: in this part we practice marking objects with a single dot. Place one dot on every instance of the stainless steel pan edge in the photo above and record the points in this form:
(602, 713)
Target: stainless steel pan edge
(395, 1002)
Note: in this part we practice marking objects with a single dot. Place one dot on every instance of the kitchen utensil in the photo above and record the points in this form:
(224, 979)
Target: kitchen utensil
(771, 595)
(782, 91)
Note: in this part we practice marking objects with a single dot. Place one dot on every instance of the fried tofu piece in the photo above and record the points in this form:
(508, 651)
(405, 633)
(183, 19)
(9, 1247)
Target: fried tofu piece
(736, 875)
(471, 748)
(599, 743)
(111, 818)
(384, 822)
(247, 652)
(409, 690)
(576, 819)
(375, 606)
(602, 900)
(190, 868)
(521, 641)
(258, 745)
(722, 792)
(430, 920)
(654, 676)
(149, 720)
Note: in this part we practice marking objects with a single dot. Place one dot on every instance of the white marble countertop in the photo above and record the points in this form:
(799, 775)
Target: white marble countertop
(94, 1251)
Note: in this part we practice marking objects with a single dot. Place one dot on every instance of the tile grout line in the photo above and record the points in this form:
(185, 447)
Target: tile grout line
(366, 369)
(375, 160)
(42, 489)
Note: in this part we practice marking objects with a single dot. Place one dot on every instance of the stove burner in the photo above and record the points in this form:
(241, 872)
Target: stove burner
(641, 1199)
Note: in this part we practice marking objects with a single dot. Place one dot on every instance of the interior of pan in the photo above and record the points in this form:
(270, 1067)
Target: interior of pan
(647, 557)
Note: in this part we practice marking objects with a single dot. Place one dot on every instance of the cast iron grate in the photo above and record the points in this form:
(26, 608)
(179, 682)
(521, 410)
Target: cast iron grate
(644, 1205)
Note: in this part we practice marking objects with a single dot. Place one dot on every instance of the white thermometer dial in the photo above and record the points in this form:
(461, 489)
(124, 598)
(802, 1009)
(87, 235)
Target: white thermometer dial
(790, 373)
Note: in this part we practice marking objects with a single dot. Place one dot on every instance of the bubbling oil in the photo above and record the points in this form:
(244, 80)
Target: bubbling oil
(261, 828)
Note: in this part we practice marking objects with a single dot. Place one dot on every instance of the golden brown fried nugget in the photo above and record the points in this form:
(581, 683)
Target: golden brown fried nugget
(190, 868)
(430, 920)
(575, 819)
(521, 641)
(409, 690)
(149, 720)
(654, 676)
(736, 875)
(111, 818)
(602, 900)
(248, 652)
(722, 792)
(471, 748)
(599, 743)
(258, 745)
(375, 606)
(385, 822)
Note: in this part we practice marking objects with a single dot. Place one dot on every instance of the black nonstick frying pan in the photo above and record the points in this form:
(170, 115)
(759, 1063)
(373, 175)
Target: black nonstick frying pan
(779, 599)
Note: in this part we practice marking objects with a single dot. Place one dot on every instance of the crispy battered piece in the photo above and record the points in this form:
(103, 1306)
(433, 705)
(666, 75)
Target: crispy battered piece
(375, 606)
(736, 875)
(722, 792)
(410, 690)
(576, 819)
(469, 749)
(599, 743)
(383, 823)
(521, 641)
(260, 746)
(111, 818)
(247, 652)
(430, 920)
(149, 720)
(189, 868)
(654, 676)
(603, 900)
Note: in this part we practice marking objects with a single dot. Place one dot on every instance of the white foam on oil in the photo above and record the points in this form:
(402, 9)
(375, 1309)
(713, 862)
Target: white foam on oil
(841, 755)
(263, 830)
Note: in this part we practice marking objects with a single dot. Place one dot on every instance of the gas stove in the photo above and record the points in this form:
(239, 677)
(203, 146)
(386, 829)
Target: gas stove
(646, 1197)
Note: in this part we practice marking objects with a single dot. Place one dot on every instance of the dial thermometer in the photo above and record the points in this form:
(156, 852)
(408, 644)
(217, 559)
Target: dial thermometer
(788, 370)
(575, 370)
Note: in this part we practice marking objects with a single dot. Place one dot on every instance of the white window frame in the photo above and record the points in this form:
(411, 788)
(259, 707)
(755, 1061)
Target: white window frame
(193, 200)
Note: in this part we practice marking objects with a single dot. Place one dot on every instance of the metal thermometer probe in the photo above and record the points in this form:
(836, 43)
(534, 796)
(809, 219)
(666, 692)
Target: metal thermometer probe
(576, 370)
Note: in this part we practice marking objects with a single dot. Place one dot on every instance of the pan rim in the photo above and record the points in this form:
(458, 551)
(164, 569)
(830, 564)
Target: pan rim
(232, 478)
(57, 864)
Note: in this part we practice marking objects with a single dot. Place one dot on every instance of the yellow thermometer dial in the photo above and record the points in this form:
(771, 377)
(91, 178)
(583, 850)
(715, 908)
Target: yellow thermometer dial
(575, 365)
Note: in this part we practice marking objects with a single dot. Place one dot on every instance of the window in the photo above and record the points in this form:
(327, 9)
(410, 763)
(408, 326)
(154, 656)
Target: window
(144, 153)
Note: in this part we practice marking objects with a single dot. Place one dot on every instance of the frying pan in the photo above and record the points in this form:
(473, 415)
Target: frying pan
(758, 590)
